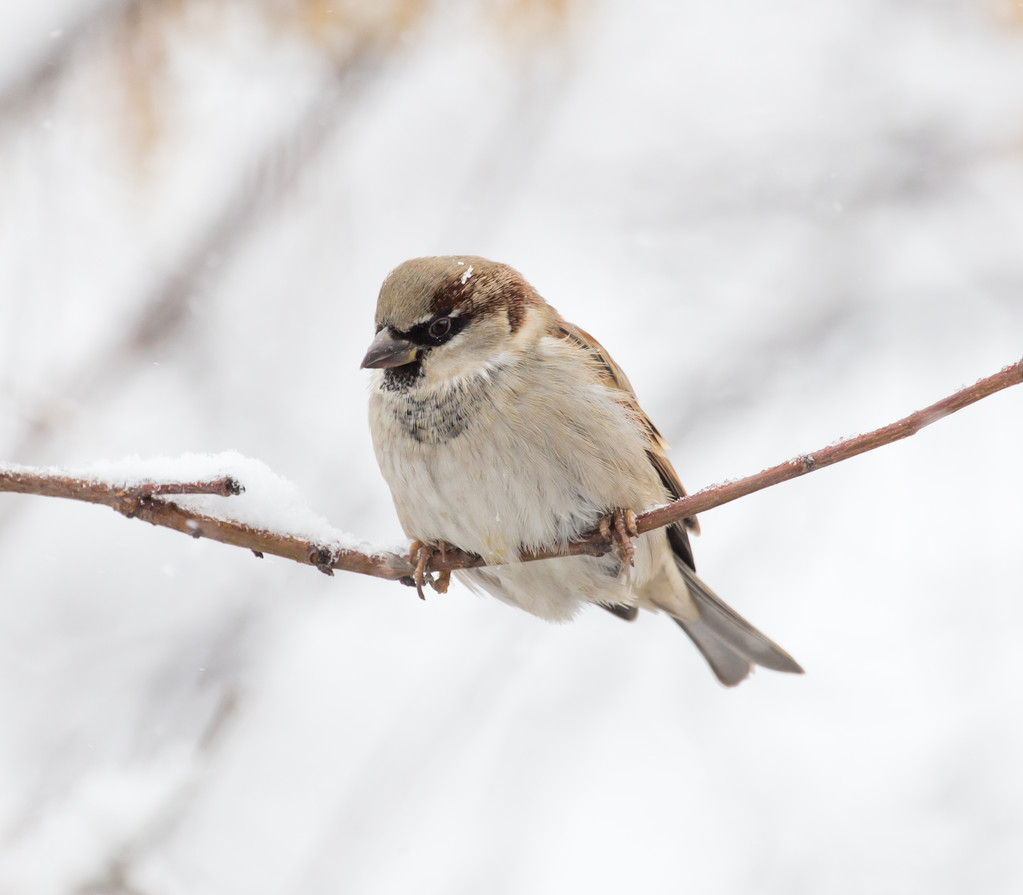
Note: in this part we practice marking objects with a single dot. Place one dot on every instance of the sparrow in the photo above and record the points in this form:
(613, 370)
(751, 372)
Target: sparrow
(502, 428)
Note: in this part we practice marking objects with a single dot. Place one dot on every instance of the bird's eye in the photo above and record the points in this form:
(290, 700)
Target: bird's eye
(440, 327)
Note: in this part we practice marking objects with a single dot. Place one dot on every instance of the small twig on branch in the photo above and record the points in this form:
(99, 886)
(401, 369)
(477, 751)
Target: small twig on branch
(150, 502)
(28, 481)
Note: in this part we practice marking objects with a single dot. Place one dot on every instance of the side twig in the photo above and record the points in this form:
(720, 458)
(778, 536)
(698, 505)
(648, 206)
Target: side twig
(151, 501)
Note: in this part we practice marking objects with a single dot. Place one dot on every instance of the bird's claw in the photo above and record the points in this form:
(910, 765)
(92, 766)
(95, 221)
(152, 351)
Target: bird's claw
(419, 556)
(619, 528)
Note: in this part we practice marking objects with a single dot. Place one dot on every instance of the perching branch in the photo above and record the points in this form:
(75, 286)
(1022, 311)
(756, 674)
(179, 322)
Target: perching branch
(150, 502)
(147, 502)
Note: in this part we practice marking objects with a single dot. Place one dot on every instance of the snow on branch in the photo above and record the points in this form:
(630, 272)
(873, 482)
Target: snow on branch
(236, 500)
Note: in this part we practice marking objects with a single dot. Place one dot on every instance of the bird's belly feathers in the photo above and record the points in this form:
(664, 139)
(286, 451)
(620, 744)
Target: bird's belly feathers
(500, 485)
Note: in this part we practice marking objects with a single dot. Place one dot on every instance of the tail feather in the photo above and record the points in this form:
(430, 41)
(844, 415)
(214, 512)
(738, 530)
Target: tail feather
(729, 643)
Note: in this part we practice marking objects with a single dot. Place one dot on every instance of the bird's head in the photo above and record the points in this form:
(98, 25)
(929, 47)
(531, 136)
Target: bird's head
(442, 318)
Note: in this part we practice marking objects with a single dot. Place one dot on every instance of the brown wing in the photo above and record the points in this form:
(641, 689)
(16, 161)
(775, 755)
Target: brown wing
(613, 376)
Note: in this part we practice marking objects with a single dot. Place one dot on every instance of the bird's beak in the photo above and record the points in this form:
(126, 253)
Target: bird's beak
(386, 350)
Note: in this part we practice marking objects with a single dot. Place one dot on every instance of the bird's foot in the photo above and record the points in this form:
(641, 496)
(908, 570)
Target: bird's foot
(420, 556)
(618, 528)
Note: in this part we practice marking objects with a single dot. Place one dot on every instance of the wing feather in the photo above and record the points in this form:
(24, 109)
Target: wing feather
(612, 376)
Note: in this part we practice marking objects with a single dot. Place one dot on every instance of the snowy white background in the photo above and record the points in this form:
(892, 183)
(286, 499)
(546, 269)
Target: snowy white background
(788, 222)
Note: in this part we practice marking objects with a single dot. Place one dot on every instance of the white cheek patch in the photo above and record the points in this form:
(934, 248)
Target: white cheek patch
(450, 365)
(470, 353)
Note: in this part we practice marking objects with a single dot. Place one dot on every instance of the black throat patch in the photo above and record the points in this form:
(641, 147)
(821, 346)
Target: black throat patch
(438, 416)
(403, 378)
